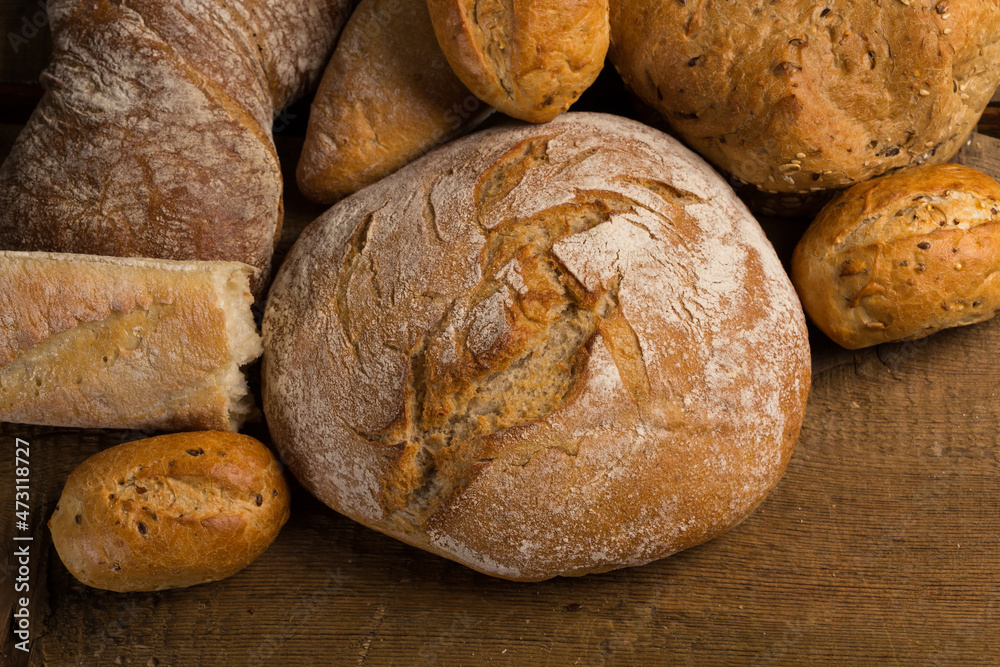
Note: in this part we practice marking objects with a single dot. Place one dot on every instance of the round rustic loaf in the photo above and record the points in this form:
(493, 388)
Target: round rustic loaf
(796, 96)
(539, 350)
(903, 256)
(171, 511)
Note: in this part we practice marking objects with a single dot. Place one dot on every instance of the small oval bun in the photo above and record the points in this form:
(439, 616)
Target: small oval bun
(171, 511)
(903, 256)
(531, 60)
(539, 350)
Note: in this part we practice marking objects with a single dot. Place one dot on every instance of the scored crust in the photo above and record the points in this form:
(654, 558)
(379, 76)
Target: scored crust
(171, 511)
(544, 350)
(797, 96)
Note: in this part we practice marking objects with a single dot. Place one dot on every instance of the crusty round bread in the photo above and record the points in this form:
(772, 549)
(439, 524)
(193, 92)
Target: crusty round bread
(903, 256)
(170, 511)
(531, 60)
(539, 350)
(796, 95)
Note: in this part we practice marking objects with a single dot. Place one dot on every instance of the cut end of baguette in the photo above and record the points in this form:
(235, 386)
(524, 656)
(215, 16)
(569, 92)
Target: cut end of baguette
(244, 343)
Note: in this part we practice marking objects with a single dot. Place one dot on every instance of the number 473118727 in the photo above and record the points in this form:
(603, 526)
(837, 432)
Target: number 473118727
(22, 475)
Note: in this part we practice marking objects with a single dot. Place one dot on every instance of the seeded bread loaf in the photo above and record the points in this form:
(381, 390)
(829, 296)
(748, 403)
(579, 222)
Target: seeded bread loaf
(798, 95)
(387, 96)
(108, 342)
(530, 60)
(153, 138)
(903, 256)
(171, 511)
(539, 350)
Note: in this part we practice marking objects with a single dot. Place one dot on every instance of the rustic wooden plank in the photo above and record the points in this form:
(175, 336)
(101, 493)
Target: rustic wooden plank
(53, 454)
(989, 123)
(982, 152)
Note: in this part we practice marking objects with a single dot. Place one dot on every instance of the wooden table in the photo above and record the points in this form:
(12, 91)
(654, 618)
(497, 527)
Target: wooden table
(881, 545)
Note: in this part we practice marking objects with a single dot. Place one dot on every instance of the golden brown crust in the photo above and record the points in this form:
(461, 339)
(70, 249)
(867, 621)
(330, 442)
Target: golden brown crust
(796, 95)
(386, 97)
(903, 256)
(153, 138)
(540, 350)
(529, 59)
(171, 511)
(106, 342)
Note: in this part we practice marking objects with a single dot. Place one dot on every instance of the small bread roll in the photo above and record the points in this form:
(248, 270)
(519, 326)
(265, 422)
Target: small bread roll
(903, 256)
(170, 511)
(539, 350)
(531, 60)
(114, 342)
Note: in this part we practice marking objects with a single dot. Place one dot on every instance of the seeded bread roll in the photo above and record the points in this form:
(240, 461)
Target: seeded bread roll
(531, 60)
(903, 256)
(108, 342)
(539, 350)
(800, 95)
(171, 511)
(387, 96)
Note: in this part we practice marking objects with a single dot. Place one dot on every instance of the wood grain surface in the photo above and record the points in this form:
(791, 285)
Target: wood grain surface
(881, 545)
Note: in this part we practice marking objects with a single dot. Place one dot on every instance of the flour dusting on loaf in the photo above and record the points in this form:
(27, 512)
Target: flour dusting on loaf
(539, 351)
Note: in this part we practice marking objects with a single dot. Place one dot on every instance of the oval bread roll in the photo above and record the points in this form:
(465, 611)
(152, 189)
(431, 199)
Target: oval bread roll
(531, 60)
(903, 256)
(539, 350)
(171, 511)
